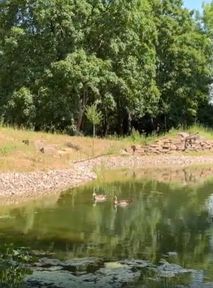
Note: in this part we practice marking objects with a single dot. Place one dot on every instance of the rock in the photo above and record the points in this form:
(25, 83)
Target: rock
(167, 270)
(26, 142)
(52, 268)
(73, 146)
(48, 262)
(42, 149)
(183, 134)
(173, 147)
(113, 275)
(167, 141)
(75, 265)
(136, 264)
(49, 150)
(116, 275)
(188, 142)
(39, 144)
(124, 152)
(83, 264)
(166, 147)
(172, 254)
(54, 273)
(56, 279)
(133, 147)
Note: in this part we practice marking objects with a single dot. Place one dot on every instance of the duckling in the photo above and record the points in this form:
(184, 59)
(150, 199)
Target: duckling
(121, 203)
(99, 197)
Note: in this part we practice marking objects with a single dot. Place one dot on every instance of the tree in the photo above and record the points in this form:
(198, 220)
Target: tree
(69, 86)
(208, 18)
(94, 116)
(125, 33)
(183, 72)
(147, 62)
(20, 109)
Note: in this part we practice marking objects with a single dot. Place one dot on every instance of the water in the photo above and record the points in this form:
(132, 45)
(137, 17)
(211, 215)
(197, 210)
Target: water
(169, 218)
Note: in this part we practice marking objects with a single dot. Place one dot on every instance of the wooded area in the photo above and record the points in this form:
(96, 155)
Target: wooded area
(145, 64)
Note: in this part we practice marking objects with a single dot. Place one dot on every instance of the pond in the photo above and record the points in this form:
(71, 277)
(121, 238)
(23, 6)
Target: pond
(168, 223)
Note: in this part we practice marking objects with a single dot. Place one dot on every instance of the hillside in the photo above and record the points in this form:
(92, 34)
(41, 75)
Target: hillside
(25, 150)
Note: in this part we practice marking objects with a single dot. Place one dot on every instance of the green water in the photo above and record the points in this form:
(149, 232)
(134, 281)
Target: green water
(161, 218)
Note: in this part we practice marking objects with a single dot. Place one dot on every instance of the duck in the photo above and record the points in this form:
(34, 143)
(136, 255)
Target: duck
(121, 203)
(99, 197)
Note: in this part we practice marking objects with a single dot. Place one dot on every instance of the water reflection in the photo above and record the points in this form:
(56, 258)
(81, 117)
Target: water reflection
(163, 219)
(209, 204)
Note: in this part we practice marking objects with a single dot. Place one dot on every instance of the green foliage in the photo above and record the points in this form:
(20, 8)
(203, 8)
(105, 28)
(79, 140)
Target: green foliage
(94, 116)
(20, 109)
(135, 136)
(67, 87)
(12, 269)
(147, 63)
(208, 18)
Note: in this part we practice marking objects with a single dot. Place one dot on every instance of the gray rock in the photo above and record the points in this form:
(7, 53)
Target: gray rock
(113, 275)
(83, 264)
(56, 279)
(93, 273)
(168, 270)
(75, 265)
(116, 275)
(48, 262)
(52, 268)
(172, 254)
(137, 264)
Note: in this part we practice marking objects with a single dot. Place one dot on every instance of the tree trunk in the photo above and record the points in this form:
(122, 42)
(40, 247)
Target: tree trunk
(93, 132)
(81, 110)
(80, 117)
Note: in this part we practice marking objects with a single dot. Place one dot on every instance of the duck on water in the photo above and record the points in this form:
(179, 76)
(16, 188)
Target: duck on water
(121, 203)
(116, 202)
(99, 197)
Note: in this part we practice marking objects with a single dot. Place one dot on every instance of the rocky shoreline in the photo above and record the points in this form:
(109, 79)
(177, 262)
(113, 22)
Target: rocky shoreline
(94, 272)
(19, 187)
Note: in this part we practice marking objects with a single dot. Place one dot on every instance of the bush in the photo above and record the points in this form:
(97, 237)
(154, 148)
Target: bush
(20, 109)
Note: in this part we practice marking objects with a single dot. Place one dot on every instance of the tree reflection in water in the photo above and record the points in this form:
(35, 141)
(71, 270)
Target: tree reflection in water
(163, 217)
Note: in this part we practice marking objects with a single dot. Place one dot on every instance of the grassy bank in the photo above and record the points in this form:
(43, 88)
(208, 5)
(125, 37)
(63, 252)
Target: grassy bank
(25, 150)
(21, 150)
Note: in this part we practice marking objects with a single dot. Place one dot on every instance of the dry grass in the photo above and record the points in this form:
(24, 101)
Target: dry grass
(62, 150)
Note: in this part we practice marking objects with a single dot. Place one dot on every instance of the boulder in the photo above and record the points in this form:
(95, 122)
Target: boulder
(183, 135)
(112, 275)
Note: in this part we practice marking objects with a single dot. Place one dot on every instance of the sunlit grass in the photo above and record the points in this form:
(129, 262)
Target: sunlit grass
(138, 138)
(17, 156)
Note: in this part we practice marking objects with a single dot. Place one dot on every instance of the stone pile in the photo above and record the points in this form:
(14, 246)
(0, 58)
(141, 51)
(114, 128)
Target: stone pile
(182, 142)
(95, 273)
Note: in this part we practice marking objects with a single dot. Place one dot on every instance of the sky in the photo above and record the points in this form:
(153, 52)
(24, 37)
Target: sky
(195, 4)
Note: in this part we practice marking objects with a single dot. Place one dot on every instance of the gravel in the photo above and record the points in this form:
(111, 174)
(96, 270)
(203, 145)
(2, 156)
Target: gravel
(18, 187)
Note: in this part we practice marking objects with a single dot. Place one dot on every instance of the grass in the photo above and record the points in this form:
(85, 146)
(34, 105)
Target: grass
(135, 138)
(63, 149)
(138, 138)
